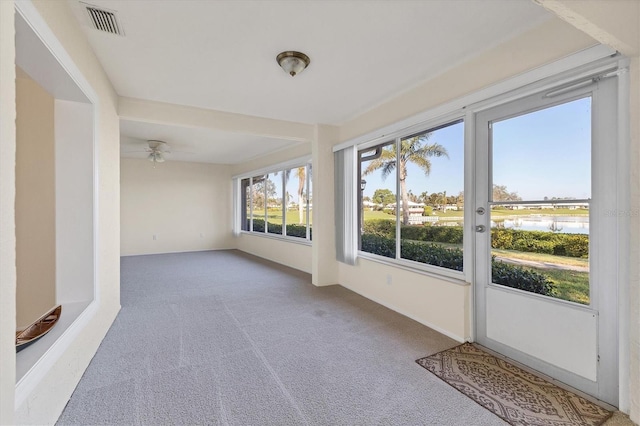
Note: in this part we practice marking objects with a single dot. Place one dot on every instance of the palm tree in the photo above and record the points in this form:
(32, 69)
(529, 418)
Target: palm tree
(414, 150)
(301, 174)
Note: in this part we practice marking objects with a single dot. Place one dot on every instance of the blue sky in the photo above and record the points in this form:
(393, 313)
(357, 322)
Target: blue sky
(447, 174)
(544, 153)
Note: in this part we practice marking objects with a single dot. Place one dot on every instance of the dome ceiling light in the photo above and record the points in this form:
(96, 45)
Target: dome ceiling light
(293, 63)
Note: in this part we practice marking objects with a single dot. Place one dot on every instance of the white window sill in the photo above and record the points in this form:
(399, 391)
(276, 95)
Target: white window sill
(455, 277)
(278, 237)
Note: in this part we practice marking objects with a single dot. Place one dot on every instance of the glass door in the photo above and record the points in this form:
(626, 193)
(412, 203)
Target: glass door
(545, 250)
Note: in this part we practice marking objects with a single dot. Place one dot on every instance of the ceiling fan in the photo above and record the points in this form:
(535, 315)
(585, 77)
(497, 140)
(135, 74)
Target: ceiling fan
(156, 151)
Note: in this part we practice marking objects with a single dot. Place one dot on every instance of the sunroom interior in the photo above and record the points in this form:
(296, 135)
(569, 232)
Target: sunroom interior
(79, 191)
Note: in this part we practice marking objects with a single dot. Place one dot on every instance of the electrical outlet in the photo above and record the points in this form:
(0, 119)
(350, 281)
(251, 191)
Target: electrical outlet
(389, 279)
(155, 237)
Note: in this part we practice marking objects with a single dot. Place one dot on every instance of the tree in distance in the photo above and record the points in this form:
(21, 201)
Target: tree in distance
(414, 150)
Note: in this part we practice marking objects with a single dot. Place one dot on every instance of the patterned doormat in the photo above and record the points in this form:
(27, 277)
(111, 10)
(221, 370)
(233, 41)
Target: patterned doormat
(511, 393)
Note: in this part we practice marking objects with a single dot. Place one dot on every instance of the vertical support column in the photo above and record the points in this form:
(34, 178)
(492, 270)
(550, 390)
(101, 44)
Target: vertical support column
(324, 265)
(7, 215)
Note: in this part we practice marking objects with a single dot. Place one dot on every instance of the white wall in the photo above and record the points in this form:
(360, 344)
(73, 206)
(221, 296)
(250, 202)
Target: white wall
(43, 403)
(286, 252)
(35, 201)
(186, 206)
(74, 201)
(439, 304)
(7, 213)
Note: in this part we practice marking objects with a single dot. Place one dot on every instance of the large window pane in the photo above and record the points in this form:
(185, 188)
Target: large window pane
(258, 204)
(431, 173)
(309, 200)
(296, 195)
(245, 204)
(377, 201)
(274, 193)
(544, 155)
(541, 194)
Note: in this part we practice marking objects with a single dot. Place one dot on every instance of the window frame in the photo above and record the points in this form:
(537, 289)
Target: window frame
(245, 216)
(459, 277)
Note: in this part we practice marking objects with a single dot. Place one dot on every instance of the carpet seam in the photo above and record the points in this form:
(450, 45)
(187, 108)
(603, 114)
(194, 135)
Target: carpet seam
(260, 355)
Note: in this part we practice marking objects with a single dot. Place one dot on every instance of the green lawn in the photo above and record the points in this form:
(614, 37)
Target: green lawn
(375, 214)
(569, 285)
(275, 216)
(541, 257)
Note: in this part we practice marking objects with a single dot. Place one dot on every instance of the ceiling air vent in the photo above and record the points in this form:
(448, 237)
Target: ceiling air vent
(104, 20)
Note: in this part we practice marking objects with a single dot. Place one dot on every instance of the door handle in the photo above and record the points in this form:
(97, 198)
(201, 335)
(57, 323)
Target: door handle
(480, 228)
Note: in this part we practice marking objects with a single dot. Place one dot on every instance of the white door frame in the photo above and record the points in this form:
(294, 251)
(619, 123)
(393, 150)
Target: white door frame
(604, 245)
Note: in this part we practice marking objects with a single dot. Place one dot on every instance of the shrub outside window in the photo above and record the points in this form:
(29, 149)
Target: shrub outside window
(411, 203)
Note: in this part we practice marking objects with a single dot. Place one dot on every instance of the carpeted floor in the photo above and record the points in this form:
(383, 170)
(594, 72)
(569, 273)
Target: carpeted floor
(227, 338)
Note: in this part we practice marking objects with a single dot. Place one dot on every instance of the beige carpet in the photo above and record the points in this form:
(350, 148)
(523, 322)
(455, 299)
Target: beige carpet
(515, 395)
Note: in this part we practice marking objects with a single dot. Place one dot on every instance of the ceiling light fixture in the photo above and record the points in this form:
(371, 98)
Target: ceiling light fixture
(293, 63)
(156, 157)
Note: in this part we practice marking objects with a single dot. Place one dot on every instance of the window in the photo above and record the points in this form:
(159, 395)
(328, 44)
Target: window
(411, 199)
(278, 203)
(540, 199)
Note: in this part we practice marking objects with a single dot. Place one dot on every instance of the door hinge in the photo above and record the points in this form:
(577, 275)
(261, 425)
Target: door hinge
(598, 358)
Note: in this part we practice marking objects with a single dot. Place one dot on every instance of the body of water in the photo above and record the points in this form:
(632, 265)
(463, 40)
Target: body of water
(563, 224)
(560, 224)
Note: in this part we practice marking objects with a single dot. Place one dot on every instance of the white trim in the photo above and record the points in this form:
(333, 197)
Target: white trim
(603, 268)
(290, 164)
(32, 17)
(181, 251)
(546, 71)
(278, 237)
(624, 197)
(41, 368)
(31, 379)
(455, 277)
(404, 313)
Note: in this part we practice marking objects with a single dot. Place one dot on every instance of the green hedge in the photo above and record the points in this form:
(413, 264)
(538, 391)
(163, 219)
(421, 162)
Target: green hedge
(432, 254)
(559, 244)
(293, 230)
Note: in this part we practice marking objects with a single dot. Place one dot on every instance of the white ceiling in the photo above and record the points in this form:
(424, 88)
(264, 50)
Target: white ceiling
(221, 54)
(196, 144)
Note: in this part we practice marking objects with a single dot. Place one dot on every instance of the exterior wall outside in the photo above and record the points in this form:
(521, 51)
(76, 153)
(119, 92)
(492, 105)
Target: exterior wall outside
(7, 212)
(186, 206)
(35, 201)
